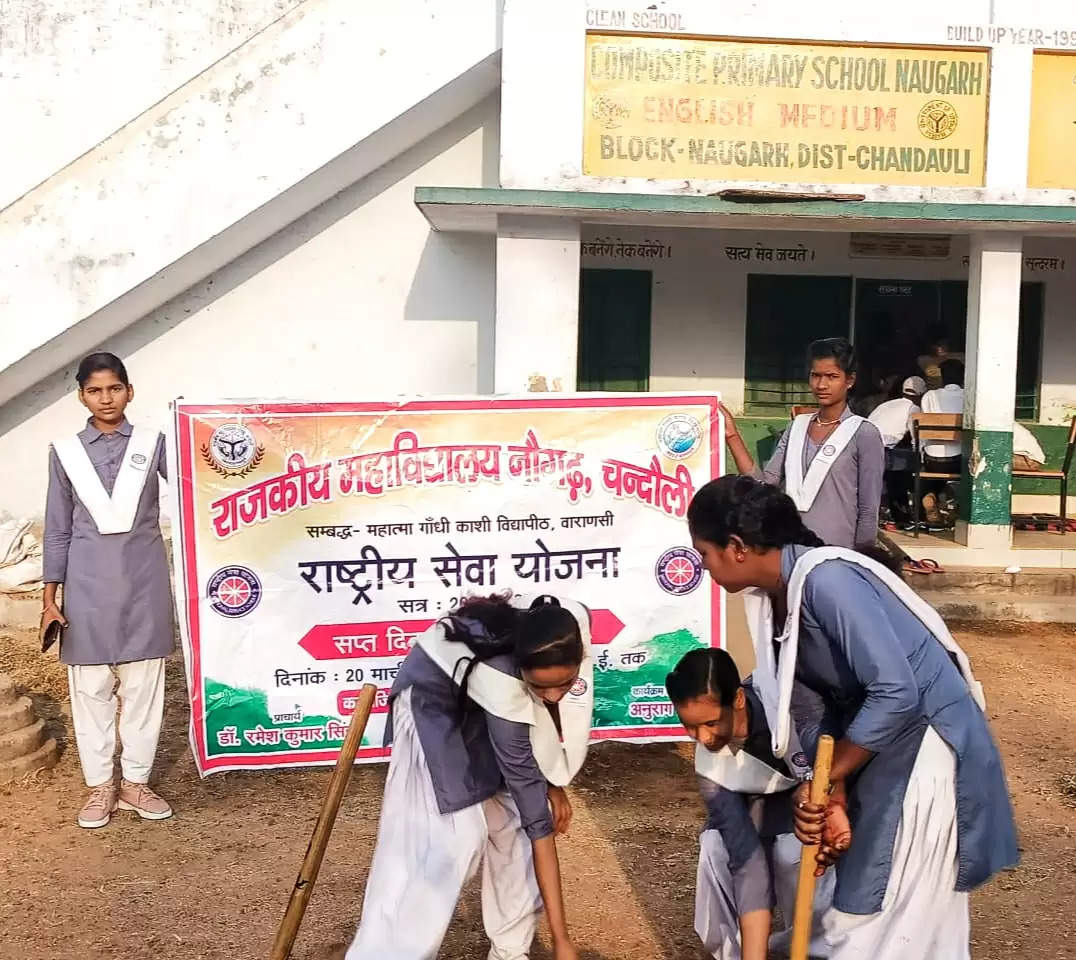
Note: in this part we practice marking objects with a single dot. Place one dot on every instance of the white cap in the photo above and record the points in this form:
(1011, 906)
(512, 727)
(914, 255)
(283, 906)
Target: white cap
(916, 385)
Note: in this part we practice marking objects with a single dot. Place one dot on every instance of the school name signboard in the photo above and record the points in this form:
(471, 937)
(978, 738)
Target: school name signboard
(673, 108)
(1052, 143)
(316, 542)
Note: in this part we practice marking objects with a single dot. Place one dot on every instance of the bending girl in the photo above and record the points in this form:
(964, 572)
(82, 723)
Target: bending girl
(915, 766)
(489, 719)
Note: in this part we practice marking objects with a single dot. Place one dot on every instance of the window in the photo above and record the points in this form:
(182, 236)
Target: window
(614, 330)
(784, 315)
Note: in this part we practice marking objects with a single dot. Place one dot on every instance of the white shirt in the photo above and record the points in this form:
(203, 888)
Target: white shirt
(1023, 441)
(949, 399)
(893, 419)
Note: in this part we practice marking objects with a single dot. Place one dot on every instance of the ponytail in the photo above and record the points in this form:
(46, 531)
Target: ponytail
(545, 635)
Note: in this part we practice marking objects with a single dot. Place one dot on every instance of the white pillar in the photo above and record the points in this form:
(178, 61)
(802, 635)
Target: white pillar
(995, 268)
(537, 329)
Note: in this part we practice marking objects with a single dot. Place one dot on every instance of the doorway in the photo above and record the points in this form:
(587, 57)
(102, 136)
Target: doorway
(896, 322)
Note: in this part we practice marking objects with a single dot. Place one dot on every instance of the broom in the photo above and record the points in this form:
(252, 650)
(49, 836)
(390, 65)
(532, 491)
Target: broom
(801, 925)
(319, 840)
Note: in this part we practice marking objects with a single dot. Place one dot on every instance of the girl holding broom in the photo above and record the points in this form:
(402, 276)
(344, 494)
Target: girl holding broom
(919, 811)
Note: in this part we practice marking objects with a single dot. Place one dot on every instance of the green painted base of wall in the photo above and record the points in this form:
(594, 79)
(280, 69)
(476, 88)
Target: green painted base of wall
(986, 487)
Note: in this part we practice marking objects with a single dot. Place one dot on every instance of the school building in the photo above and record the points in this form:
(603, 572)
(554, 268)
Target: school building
(323, 199)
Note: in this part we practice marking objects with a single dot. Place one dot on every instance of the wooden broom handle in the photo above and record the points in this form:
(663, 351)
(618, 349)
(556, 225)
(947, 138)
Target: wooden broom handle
(802, 923)
(319, 840)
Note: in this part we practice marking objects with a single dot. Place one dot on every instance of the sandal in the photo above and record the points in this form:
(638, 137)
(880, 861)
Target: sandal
(925, 566)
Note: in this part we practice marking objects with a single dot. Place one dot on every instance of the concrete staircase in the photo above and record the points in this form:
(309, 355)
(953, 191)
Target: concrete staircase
(24, 747)
(312, 103)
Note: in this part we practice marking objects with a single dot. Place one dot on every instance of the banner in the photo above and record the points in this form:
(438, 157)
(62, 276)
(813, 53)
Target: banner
(316, 541)
(673, 108)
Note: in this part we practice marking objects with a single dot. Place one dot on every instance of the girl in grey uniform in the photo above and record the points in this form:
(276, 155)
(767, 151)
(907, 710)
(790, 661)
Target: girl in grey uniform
(915, 767)
(748, 855)
(830, 462)
(490, 718)
(103, 543)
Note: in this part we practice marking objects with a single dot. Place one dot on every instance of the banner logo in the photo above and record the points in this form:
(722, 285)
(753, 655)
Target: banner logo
(679, 436)
(232, 451)
(234, 591)
(679, 571)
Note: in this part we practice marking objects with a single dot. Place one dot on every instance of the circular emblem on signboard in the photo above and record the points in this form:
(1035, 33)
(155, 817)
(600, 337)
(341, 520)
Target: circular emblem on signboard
(232, 450)
(578, 688)
(609, 112)
(828, 450)
(679, 436)
(937, 120)
(679, 571)
(138, 459)
(234, 591)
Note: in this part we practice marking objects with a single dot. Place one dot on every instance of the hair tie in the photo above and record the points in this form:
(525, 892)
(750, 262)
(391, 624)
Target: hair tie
(545, 600)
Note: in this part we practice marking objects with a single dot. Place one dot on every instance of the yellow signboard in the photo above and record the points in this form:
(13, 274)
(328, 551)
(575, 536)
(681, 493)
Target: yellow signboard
(673, 108)
(1051, 160)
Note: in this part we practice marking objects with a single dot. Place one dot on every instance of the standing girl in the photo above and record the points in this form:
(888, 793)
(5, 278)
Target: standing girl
(490, 719)
(103, 543)
(915, 767)
(830, 462)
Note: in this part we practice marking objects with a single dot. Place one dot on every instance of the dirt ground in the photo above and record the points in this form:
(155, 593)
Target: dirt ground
(211, 883)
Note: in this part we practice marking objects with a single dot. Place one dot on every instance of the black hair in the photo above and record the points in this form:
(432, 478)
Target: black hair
(760, 515)
(837, 349)
(96, 362)
(546, 635)
(952, 372)
(704, 671)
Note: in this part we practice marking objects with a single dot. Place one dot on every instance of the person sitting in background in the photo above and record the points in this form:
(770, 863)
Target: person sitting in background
(894, 422)
(1026, 452)
(930, 363)
(942, 456)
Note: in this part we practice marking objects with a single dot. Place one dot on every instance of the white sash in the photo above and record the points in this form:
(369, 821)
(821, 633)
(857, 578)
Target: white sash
(740, 771)
(801, 489)
(511, 699)
(774, 685)
(115, 514)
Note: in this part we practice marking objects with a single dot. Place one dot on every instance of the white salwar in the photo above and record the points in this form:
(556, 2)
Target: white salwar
(93, 713)
(717, 920)
(923, 917)
(424, 857)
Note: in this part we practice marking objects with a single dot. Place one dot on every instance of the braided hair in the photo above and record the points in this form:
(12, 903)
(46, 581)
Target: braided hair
(545, 635)
(759, 514)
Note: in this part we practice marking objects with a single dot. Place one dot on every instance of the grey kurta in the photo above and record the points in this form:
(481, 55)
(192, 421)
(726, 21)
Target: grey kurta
(845, 512)
(117, 592)
(472, 757)
(883, 679)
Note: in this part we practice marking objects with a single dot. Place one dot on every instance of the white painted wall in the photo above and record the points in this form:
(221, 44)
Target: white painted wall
(699, 301)
(75, 71)
(543, 76)
(358, 298)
